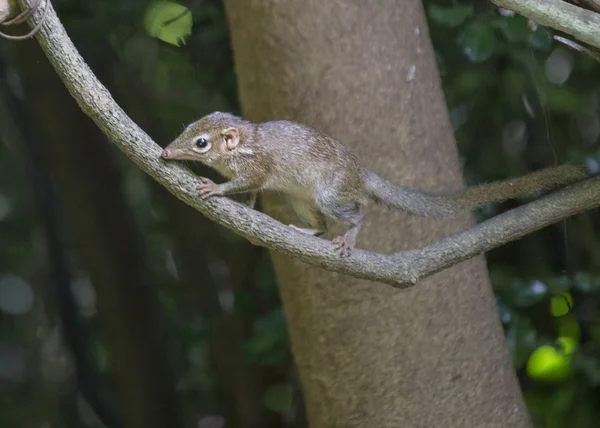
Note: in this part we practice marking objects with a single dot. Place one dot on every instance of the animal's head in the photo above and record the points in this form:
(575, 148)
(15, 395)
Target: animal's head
(208, 140)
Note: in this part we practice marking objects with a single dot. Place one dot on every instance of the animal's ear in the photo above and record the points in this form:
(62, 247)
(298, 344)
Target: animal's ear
(231, 137)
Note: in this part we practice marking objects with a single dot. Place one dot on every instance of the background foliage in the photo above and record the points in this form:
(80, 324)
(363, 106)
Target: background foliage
(518, 101)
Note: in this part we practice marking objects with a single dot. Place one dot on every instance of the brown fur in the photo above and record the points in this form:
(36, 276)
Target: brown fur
(322, 178)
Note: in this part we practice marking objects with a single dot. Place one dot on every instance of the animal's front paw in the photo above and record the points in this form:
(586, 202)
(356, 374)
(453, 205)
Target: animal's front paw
(208, 188)
(343, 244)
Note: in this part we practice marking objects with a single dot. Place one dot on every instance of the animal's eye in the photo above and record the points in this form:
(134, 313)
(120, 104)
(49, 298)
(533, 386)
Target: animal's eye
(201, 143)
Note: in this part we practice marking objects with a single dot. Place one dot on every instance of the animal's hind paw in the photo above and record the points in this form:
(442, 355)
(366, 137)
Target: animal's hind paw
(343, 245)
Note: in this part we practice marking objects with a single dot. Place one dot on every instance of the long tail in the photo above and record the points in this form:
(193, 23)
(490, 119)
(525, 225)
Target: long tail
(437, 205)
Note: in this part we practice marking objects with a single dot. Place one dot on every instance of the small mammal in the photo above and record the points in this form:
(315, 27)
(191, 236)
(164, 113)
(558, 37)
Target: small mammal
(322, 179)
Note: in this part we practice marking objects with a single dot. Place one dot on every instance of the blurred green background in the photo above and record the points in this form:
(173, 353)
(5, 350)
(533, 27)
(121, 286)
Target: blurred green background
(79, 225)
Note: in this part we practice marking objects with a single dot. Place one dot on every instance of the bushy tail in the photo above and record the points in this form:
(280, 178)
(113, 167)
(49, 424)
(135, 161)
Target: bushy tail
(436, 205)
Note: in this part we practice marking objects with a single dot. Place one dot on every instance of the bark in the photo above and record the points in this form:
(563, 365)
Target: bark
(104, 236)
(429, 356)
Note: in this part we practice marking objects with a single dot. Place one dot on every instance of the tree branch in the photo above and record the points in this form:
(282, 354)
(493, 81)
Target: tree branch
(400, 270)
(7, 12)
(592, 4)
(579, 48)
(576, 21)
(505, 228)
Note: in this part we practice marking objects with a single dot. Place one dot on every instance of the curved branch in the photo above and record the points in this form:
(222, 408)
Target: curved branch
(20, 18)
(400, 270)
(576, 21)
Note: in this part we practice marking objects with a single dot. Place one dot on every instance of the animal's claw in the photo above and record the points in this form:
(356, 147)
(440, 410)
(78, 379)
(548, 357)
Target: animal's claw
(342, 245)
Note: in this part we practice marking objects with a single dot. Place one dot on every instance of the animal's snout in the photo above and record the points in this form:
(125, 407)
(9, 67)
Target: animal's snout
(166, 154)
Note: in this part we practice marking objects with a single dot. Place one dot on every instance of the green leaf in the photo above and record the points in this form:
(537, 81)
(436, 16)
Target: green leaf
(549, 363)
(561, 304)
(450, 16)
(279, 398)
(478, 42)
(169, 22)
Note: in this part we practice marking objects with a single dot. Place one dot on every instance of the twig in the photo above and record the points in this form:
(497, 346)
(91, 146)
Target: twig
(576, 21)
(576, 46)
(400, 270)
(22, 17)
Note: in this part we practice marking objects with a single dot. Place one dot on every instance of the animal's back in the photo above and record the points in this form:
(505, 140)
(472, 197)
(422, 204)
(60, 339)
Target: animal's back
(307, 159)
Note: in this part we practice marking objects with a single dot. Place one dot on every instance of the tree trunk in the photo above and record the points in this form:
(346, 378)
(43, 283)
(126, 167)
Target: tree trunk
(370, 355)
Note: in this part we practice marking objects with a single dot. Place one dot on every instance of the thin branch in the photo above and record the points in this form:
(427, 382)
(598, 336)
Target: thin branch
(400, 270)
(504, 228)
(22, 17)
(580, 23)
(592, 4)
(579, 48)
